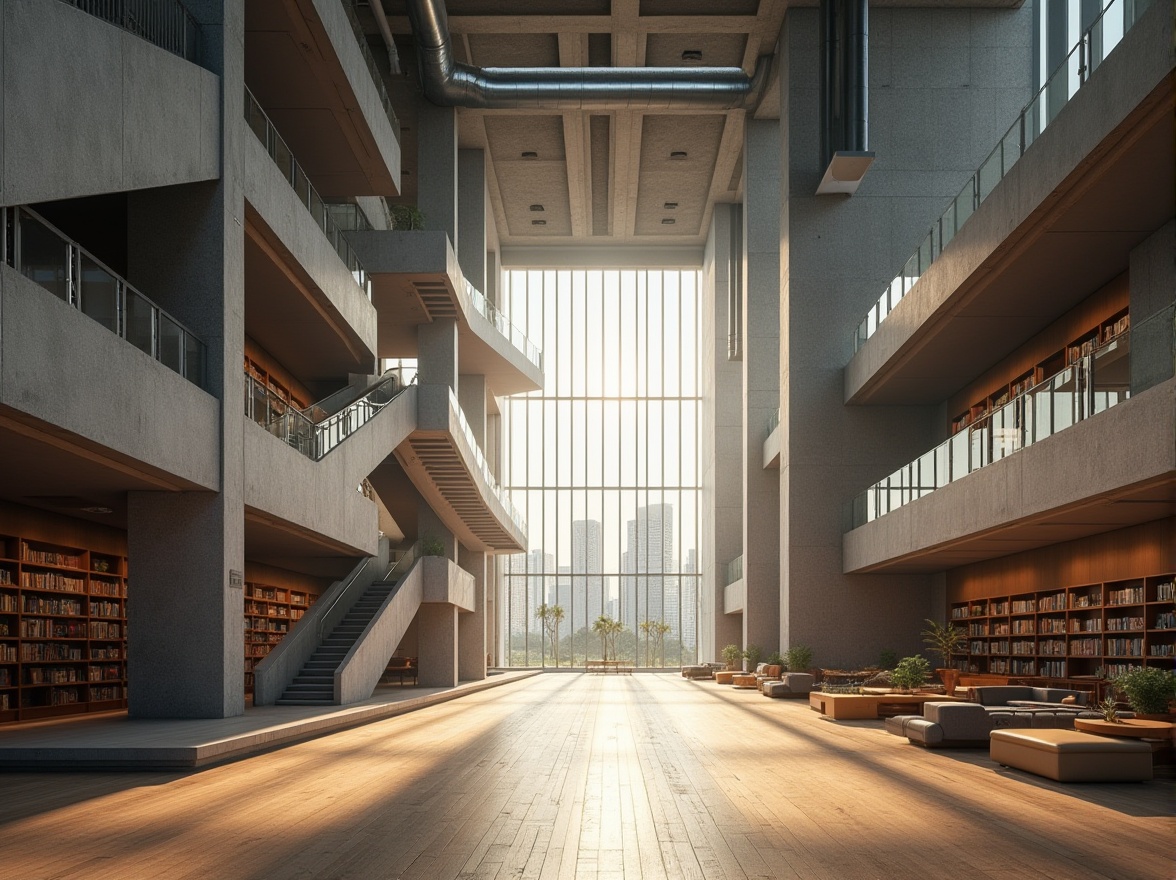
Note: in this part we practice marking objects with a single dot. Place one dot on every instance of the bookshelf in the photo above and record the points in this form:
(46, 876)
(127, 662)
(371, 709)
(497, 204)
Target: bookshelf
(270, 611)
(63, 628)
(1086, 633)
(1093, 338)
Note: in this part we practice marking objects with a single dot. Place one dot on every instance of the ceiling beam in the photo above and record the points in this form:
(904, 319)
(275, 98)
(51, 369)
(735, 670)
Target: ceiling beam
(589, 24)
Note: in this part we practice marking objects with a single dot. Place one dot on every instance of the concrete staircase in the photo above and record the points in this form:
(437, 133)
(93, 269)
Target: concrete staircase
(315, 683)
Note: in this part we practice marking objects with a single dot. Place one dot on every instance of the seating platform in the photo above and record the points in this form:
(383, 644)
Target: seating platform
(1072, 756)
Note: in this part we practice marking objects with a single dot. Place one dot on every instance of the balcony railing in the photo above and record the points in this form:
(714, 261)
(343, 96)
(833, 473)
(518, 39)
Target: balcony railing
(490, 312)
(734, 571)
(1094, 46)
(773, 422)
(45, 255)
(499, 492)
(166, 23)
(296, 428)
(1088, 386)
(372, 65)
(296, 177)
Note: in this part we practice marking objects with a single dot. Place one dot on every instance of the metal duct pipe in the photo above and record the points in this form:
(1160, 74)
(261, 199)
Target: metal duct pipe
(386, 34)
(449, 83)
(844, 61)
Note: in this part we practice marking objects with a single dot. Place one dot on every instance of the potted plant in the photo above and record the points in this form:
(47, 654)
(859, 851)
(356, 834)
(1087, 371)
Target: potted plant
(911, 673)
(1149, 690)
(732, 655)
(944, 641)
(752, 655)
(798, 658)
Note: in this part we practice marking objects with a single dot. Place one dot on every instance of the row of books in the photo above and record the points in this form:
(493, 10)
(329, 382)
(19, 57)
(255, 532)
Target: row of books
(52, 580)
(50, 557)
(64, 607)
(39, 652)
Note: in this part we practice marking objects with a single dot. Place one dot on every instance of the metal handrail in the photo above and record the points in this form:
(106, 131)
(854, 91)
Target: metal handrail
(499, 492)
(73, 273)
(1018, 422)
(283, 157)
(404, 554)
(490, 312)
(1030, 123)
(165, 23)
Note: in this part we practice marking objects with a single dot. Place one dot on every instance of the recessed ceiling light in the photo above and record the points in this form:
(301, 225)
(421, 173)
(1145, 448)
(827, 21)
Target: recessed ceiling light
(536, 207)
(691, 54)
(670, 206)
(538, 222)
(529, 154)
(668, 221)
(678, 154)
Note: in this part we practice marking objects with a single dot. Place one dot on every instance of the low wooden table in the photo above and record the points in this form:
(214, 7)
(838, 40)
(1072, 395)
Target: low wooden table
(743, 680)
(846, 707)
(1163, 732)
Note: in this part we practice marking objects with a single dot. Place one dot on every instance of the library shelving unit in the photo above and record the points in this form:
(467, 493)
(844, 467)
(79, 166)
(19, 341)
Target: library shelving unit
(270, 611)
(63, 629)
(1081, 634)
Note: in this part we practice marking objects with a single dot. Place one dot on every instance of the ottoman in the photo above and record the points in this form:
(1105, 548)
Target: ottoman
(724, 676)
(1072, 756)
(745, 680)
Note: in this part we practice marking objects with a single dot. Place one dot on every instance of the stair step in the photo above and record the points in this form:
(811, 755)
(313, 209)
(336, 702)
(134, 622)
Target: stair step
(304, 702)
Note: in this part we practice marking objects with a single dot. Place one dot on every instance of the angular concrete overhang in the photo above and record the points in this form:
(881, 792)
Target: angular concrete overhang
(1112, 470)
(89, 108)
(296, 284)
(445, 465)
(772, 450)
(444, 582)
(416, 279)
(304, 64)
(1061, 224)
(733, 597)
(85, 416)
(316, 503)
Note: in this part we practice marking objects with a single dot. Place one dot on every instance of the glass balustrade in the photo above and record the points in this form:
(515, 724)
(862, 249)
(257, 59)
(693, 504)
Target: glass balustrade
(773, 422)
(1096, 43)
(47, 257)
(734, 570)
(1090, 385)
(296, 177)
(490, 312)
(165, 23)
(480, 460)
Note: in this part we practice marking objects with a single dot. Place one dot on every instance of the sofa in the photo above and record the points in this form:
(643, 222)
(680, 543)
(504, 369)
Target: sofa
(964, 725)
(790, 684)
(1021, 696)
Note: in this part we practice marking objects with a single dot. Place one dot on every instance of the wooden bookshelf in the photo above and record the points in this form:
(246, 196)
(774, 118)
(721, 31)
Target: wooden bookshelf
(63, 628)
(1099, 335)
(271, 610)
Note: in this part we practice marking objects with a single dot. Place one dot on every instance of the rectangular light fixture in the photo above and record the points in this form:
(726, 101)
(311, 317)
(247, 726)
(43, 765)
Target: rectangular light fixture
(845, 172)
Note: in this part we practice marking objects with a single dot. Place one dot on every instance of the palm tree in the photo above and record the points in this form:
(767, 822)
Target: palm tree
(659, 635)
(647, 627)
(603, 628)
(551, 617)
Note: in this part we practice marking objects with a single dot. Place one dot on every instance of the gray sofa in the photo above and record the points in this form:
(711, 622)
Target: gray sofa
(791, 684)
(1021, 696)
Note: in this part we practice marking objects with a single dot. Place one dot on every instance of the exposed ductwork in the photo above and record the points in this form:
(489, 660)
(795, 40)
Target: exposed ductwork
(844, 54)
(449, 83)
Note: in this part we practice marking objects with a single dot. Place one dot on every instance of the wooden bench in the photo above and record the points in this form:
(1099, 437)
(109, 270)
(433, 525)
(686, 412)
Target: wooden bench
(1071, 756)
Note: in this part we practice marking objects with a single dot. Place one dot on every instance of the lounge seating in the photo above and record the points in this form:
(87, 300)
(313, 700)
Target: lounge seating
(767, 672)
(1072, 756)
(791, 684)
(702, 670)
(1029, 697)
(724, 676)
(963, 725)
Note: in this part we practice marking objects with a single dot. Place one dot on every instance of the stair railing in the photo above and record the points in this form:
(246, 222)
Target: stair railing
(401, 556)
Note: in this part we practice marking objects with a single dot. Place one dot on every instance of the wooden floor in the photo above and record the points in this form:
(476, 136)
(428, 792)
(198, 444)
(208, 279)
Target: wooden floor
(590, 776)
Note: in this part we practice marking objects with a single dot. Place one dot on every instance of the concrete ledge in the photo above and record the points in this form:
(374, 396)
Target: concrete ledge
(115, 742)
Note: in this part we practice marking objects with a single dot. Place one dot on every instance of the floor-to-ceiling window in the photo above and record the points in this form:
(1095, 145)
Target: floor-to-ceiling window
(603, 463)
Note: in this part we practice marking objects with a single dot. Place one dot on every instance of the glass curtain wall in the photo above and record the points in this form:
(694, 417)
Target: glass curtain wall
(603, 463)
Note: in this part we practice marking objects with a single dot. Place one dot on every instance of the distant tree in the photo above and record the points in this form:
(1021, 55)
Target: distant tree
(551, 617)
(659, 639)
(607, 629)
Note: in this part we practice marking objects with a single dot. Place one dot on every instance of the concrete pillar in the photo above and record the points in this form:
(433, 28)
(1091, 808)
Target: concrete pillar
(722, 436)
(492, 271)
(1152, 280)
(761, 382)
(437, 645)
(429, 525)
(185, 244)
(437, 353)
(471, 626)
(471, 219)
(437, 168)
(472, 399)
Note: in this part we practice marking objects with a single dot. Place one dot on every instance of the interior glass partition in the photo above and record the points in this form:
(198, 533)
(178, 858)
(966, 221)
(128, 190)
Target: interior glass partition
(603, 462)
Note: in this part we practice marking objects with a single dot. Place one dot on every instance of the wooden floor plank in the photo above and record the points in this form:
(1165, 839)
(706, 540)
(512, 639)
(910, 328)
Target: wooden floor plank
(602, 777)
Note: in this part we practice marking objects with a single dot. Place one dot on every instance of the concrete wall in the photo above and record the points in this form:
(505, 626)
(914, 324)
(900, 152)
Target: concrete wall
(126, 114)
(944, 85)
(1153, 309)
(1123, 80)
(280, 208)
(66, 369)
(721, 452)
(1081, 462)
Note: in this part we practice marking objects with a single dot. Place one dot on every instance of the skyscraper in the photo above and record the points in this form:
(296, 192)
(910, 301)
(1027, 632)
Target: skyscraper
(587, 566)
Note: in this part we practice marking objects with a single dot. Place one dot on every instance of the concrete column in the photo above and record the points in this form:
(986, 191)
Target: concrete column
(429, 525)
(471, 219)
(437, 168)
(437, 353)
(722, 438)
(492, 271)
(761, 382)
(472, 399)
(471, 626)
(1152, 279)
(185, 244)
(437, 645)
